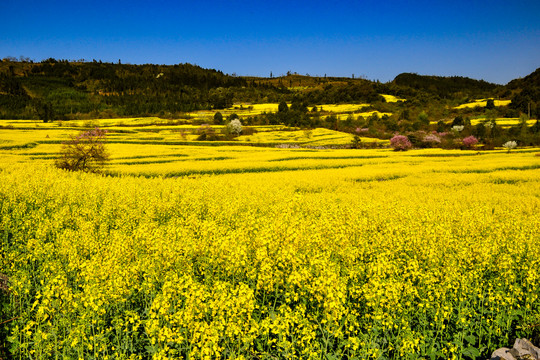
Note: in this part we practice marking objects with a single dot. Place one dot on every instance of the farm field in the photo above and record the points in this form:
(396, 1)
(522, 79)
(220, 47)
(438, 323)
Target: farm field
(261, 252)
(392, 98)
(482, 103)
(503, 122)
(21, 141)
(245, 110)
(198, 117)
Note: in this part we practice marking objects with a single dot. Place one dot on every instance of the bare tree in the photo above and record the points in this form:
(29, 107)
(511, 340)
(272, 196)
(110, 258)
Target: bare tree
(84, 152)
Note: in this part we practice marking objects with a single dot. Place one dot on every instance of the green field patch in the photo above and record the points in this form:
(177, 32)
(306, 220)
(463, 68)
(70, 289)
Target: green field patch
(263, 169)
(43, 157)
(149, 156)
(40, 153)
(153, 138)
(165, 161)
(328, 157)
(30, 145)
(379, 178)
(309, 190)
(143, 162)
(506, 181)
(215, 158)
(486, 171)
(462, 154)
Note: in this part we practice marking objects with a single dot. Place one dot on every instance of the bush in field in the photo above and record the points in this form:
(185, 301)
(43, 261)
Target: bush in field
(356, 142)
(235, 127)
(218, 118)
(400, 143)
(207, 133)
(509, 145)
(470, 141)
(431, 140)
(246, 130)
(84, 152)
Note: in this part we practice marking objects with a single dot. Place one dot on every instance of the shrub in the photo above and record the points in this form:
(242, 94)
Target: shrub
(356, 142)
(415, 138)
(84, 152)
(400, 143)
(248, 130)
(432, 139)
(218, 118)
(235, 127)
(207, 133)
(470, 141)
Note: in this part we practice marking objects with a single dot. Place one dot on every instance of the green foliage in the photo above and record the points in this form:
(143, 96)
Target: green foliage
(526, 98)
(207, 133)
(356, 142)
(458, 120)
(490, 104)
(45, 111)
(445, 86)
(218, 118)
(423, 118)
(232, 116)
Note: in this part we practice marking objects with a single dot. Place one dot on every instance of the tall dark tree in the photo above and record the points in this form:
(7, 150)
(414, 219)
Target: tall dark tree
(45, 111)
(490, 104)
(218, 118)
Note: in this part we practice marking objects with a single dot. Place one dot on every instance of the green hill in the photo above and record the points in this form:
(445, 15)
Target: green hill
(59, 89)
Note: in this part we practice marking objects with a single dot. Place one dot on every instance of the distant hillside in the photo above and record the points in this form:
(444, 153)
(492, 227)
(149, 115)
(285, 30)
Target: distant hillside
(445, 87)
(59, 89)
(531, 80)
(55, 89)
(526, 92)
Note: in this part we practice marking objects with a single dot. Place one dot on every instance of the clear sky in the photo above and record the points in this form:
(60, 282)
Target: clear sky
(492, 40)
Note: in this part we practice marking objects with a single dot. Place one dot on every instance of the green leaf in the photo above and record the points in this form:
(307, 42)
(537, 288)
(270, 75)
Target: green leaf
(471, 339)
(471, 352)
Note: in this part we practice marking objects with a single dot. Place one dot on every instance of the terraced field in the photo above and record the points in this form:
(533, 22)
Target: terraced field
(144, 142)
(482, 103)
(184, 250)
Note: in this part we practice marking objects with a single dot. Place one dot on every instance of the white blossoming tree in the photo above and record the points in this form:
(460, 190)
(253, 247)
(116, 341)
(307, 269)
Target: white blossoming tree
(509, 145)
(235, 127)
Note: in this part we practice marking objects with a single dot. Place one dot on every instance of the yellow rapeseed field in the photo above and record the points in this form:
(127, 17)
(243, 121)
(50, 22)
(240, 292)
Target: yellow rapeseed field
(482, 103)
(392, 98)
(244, 110)
(505, 122)
(364, 114)
(250, 252)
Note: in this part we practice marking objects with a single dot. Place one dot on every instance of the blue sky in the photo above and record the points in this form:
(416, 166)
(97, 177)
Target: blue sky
(492, 40)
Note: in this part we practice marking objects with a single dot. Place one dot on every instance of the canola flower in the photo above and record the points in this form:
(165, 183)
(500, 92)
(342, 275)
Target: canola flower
(380, 255)
(482, 103)
(391, 98)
